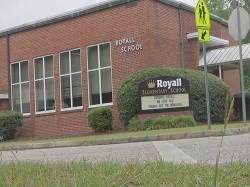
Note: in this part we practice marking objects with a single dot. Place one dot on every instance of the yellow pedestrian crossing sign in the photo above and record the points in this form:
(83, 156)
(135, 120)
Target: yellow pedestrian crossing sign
(202, 15)
(204, 35)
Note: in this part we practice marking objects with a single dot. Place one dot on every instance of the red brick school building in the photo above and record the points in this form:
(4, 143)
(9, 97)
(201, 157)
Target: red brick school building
(55, 70)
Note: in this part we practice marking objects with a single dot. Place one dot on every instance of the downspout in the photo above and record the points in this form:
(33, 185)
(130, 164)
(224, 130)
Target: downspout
(220, 72)
(221, 35)
(180, 36)
(8, 67)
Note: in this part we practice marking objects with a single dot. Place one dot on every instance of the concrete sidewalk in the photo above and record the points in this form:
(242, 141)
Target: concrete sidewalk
(58, 144)
(204, 150)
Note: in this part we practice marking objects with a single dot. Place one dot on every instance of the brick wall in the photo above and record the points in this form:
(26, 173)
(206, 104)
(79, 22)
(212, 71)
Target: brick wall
(4, 104)
(153, 24)
(232, 78)
(3, 66)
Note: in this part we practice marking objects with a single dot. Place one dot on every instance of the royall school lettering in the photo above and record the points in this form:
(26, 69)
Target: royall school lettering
(159, 86)
(168, 84)
(164, 93)
(128, 44)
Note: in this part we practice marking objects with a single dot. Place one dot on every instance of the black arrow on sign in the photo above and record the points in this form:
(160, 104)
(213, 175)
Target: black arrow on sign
(203, 34)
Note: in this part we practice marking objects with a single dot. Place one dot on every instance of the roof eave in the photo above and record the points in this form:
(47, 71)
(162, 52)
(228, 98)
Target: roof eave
(64, 16)
(91, 9)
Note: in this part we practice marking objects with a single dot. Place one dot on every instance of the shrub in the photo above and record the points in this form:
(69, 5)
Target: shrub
(247, 78)
(100, 119)
(134, 124)
(129, 99)
(183, 121)
(164, 122)
(148, 124)
(9, 121)
(237, 108)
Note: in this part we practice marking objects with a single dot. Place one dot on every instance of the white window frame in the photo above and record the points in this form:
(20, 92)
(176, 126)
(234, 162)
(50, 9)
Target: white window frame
(20, 88)
(99, 73)
(70, 74)
(43, 79)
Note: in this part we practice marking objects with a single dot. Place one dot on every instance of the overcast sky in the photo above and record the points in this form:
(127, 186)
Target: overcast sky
(17, 12)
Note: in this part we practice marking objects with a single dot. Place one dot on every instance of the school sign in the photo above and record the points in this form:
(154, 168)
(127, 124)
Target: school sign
(202, 19)
(165, 93)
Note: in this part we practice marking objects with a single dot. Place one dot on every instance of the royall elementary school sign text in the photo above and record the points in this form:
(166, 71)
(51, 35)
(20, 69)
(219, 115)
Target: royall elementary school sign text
(164, 93)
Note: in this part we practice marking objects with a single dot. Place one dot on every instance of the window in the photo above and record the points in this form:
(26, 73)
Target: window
(44, 84)
(20, 87)
(70, 75)
(99, 74)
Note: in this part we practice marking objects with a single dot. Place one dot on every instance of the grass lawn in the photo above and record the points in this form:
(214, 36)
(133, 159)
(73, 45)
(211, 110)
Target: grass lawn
(117, 174)
(120, 135)
(151, 174)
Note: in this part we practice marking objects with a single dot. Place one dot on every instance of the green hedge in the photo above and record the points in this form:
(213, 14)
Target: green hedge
(9, 120)
(167, 122)
(100, 119)
(163, 122)
(247, 78)
(129, 99)
(237, 112)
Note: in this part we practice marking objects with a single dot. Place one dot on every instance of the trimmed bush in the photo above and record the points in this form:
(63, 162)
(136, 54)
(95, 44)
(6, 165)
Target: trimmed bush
(134, 124)
(9, 121)
(183, 121)
(167, 122)
(163, 122)
(100, 119)
(148, 124)
(237, 113)
(129, 99)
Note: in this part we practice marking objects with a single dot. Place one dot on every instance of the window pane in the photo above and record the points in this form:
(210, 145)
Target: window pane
(106, 85)
(92, 58)
(38, 68)
(75, 61)
(76, 90)
(65, 91)
(94, 88)
(105, 55)
(39, 96)
(15, 72)
(16, 98)
(24, 71)
(48, 63)
(25, 98)
(64, 63)
(49, 88)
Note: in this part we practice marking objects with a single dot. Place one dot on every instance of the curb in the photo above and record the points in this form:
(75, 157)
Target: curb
(200, 134)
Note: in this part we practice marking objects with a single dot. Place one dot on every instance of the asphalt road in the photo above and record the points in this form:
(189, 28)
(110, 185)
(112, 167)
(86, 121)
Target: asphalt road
(235, 148)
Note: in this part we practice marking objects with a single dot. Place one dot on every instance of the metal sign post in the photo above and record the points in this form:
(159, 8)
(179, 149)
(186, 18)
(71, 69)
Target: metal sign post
(202, 19)
(206, 86)
(238, 29)
(241, 69)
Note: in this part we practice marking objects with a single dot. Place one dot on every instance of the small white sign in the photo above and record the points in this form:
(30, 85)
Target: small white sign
(244, 23)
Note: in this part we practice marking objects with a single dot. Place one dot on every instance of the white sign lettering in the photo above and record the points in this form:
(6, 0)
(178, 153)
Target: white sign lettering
(165, 101)
(168, 84)
(128, 44)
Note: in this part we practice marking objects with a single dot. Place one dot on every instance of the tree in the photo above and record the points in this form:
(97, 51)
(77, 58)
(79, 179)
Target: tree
(247, 39)
(223, 9)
